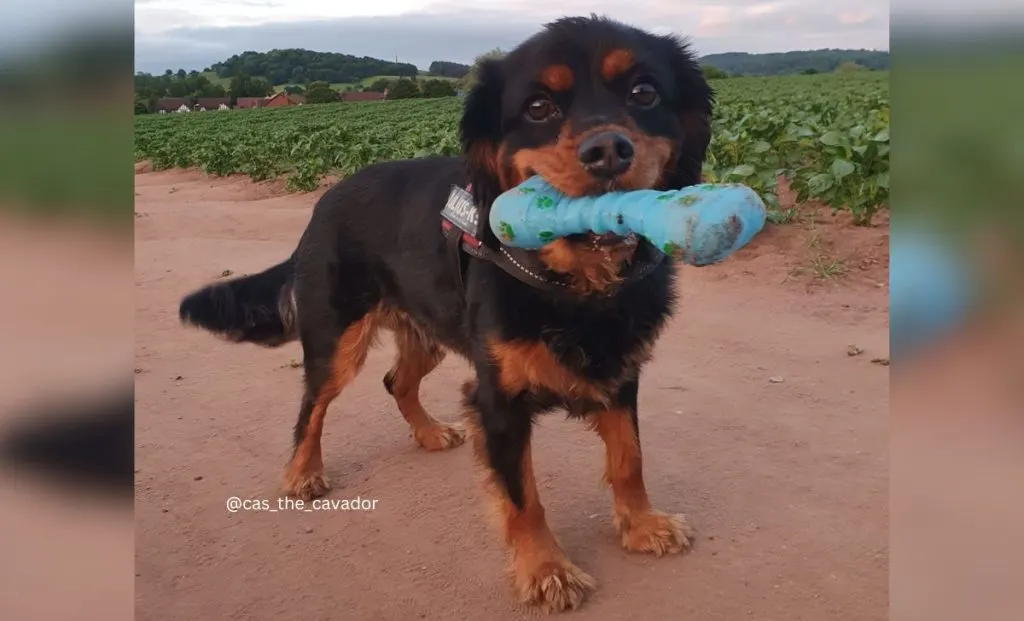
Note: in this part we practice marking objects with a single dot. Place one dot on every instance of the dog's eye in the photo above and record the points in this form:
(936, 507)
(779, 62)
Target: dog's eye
(540, 108)
(644, 94)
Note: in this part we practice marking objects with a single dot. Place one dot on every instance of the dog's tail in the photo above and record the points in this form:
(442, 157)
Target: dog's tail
(251, 309)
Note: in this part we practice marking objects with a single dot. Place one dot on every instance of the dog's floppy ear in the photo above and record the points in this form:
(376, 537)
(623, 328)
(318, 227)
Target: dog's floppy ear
(696, 100)
(480, 132)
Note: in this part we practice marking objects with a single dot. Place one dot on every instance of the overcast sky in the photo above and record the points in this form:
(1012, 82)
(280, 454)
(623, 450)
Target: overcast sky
(192, 34)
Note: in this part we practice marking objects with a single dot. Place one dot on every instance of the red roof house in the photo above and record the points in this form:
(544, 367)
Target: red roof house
(170, 104)
(251, 102)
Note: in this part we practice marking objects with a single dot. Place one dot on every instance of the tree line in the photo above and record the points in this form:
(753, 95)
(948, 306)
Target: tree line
(448, 69)
(782, 63)
(400, 88)
(297, 66)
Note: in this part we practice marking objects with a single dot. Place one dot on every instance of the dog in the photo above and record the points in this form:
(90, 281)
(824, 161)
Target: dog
(591, 105)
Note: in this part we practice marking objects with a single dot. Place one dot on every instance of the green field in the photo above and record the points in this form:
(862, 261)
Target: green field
(828, 134)
(216, 79)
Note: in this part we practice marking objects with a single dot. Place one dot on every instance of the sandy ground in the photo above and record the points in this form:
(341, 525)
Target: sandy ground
(759, 422)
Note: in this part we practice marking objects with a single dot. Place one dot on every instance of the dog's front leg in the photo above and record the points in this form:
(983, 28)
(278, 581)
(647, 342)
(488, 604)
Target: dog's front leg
(500, 427)
(642, 528)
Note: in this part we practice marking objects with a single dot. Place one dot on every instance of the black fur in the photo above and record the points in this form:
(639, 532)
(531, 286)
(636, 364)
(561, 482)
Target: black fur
(255, 309)
(85, 443)
(375, 240)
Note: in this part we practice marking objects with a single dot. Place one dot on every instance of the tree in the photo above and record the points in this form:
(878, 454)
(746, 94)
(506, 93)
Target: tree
(320, 92)
(713, 73)
(448, 69)
(404, 88)
(381, 85)
(809, 71)
(245, 86)
(469, 80)
(294, 89)
(437, 88)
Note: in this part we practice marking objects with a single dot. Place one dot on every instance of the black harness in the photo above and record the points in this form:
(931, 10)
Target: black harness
(464, 235)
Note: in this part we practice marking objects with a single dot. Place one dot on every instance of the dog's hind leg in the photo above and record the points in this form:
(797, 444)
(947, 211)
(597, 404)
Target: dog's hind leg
(417, 356)
(333, 358)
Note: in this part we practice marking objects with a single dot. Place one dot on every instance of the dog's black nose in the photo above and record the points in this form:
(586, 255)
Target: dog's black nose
(606, 154)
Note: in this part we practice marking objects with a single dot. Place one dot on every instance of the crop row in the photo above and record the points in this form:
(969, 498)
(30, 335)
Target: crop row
(827, 134)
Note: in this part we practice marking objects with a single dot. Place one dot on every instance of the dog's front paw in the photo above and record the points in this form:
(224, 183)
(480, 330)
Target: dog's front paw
(306, 486)
(654, 531)
(553, 585)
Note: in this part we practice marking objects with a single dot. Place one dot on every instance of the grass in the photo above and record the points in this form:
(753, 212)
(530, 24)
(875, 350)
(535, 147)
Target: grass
(824, 265)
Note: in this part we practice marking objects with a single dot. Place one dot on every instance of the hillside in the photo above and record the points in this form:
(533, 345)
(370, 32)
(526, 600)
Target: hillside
(780, 63)
(297, 66)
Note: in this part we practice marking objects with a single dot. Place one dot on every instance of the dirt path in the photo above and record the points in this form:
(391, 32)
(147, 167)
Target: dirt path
(757, 423)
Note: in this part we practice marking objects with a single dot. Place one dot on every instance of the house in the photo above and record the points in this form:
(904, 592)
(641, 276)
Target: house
(250, 102)
(212, 103)
(365, 96)
(170, 104)
(282, 99)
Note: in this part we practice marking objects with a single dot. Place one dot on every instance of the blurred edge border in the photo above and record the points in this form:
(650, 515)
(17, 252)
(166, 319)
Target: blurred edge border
(66, 84)
(66, 115)
(86, 444)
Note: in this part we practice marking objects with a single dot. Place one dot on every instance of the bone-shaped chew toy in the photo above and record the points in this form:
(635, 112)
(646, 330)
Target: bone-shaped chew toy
(701, 224)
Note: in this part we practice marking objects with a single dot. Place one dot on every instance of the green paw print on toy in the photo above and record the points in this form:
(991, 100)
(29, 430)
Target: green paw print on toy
(527, 190)
(670, 248)
(546, 236)
(506, 231)
(545, 202)
(689, 200)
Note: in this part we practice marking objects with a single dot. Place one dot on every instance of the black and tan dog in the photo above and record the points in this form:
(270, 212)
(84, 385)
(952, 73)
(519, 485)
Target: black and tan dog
(591, 105)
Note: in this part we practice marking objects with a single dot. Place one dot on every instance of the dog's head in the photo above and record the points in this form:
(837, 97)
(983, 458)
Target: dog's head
(590, 105)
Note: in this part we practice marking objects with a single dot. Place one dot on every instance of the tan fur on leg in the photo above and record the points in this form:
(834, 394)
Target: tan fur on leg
(641, 528)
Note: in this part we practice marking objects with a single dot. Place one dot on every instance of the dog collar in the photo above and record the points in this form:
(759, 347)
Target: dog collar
(464, 230)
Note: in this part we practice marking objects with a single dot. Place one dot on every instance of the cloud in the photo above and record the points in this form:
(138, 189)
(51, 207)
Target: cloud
(714, 20)
(180, 34)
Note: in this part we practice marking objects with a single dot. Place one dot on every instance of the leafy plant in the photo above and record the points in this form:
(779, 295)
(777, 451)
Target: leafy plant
(827, 134)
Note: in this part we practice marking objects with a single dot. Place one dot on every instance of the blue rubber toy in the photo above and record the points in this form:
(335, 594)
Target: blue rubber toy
(701, 224)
